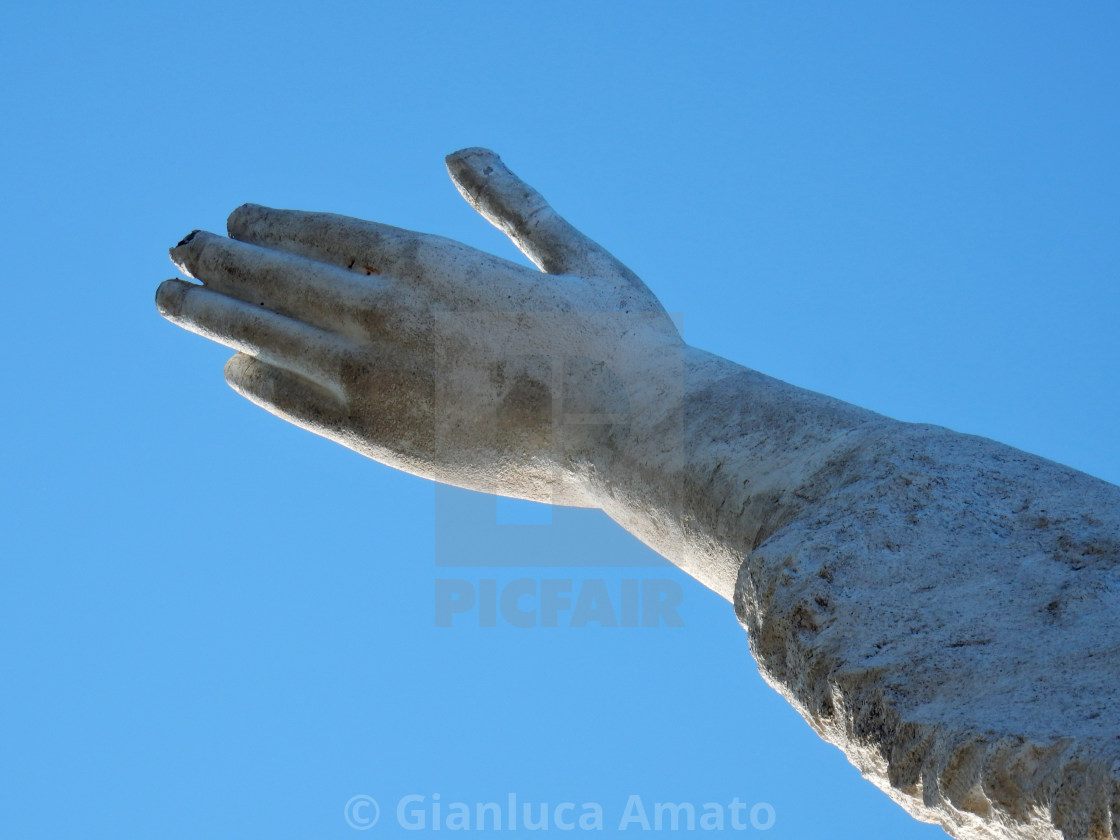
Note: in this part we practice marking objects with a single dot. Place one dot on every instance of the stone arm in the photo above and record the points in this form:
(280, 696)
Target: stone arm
(941, 607)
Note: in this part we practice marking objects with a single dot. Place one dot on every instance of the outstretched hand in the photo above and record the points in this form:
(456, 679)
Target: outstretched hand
(426, 354)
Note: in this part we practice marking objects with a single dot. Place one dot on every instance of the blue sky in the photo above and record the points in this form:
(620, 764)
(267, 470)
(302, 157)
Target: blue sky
(215, 624)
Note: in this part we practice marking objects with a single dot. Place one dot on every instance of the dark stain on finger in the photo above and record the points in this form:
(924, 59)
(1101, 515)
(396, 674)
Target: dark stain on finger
(365, 269)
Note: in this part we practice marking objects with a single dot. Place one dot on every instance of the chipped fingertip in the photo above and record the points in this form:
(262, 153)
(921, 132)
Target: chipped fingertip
(188, 237)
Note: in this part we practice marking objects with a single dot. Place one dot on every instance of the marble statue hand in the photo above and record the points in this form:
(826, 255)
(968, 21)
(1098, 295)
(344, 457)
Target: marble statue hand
(426, 354)
(940, 606)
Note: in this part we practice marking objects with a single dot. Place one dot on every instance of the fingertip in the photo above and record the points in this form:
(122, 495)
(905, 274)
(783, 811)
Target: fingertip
(471, 152)
(169, 297)
(185, 254)
(236, 368)
(241, 221)
(251, 378)
(188, 238)
(471, 167)
(179, 251)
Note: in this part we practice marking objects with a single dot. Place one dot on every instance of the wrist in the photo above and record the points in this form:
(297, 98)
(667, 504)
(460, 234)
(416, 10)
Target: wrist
(718, 457)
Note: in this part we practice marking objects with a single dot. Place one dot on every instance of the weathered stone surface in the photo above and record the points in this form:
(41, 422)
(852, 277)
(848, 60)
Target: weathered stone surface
(943, 608)
(949, 616)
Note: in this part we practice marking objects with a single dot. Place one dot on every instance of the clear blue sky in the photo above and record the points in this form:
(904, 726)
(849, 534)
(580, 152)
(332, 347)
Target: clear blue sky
(216, 625)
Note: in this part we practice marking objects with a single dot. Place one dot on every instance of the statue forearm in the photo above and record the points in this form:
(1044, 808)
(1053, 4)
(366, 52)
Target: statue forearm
(731, 456)
(939, 606)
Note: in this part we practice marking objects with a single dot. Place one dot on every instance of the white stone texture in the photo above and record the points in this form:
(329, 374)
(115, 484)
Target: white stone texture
(947, 612)
(943, 608)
